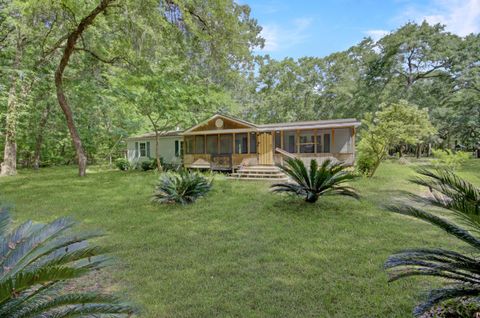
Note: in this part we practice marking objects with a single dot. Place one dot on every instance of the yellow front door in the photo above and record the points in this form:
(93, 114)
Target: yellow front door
(265, 150)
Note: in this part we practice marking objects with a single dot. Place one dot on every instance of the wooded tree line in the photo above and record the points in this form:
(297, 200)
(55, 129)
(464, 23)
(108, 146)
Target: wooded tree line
(77, 77)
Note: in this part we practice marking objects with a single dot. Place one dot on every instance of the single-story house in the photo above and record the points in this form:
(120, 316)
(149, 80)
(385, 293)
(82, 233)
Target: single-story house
(143, 147)
(226, 143)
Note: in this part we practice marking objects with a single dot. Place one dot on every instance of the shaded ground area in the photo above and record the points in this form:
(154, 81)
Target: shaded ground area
(241, 251)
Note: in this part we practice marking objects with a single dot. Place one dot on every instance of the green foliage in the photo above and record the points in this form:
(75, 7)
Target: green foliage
(449, 159)
(326, 179)
(394, 125)
(37, 261)
(122, 164)
(461, 200)
(184, 187)
(149, 164)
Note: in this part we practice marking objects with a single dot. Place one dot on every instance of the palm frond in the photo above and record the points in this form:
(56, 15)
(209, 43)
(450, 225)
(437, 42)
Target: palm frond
(445, 225)
(35, 262)
(317, 181)
(184, 187)
(461, 199)
(437, 296)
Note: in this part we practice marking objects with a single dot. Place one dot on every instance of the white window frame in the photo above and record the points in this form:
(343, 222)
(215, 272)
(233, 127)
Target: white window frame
(144, 149)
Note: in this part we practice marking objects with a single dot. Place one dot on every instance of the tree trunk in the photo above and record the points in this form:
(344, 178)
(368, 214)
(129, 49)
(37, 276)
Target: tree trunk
(157, 150)
(9, 164)
(39, 138)
(418, 150)
(62, 99)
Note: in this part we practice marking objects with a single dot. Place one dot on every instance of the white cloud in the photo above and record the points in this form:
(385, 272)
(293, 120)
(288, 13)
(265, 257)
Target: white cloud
(278, 37)
(461, 17)
(376, 34)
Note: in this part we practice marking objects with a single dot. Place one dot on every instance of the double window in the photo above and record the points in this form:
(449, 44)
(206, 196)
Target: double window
(323, 141)
(142, 149)
(306, 141)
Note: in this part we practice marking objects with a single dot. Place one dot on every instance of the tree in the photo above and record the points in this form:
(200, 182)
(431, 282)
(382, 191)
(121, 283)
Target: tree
(394, 125)
(72, 39)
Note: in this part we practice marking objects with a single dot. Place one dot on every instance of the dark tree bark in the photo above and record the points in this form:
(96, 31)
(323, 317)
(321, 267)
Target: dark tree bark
(157, 141)
(9, 164)
(62, 99)
(39, 138)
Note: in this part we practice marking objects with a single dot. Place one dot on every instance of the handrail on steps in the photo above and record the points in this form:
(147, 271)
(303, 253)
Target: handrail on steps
(285, 153)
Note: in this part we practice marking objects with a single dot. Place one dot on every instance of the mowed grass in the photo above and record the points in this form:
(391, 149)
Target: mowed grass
(241, 251)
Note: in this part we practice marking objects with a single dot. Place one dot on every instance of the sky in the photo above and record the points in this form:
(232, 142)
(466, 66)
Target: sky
(320, 27)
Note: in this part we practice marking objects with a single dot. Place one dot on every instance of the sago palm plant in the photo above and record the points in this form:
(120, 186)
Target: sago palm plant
(38, 260)
(183, 187)
(328, 178)
(460, 200)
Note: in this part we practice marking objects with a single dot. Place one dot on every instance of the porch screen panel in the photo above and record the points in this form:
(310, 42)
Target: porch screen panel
(253, 142)
(241, 143)
(326, 142)
(199, 144)
(189, 145)
(343, 139)
(278, 140)
(307, 141)
(212, 144)
(226, 144)
(289, 143)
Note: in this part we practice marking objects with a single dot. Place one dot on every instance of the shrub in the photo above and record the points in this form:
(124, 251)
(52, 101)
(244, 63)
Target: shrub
(183, 187)
(461, 199)
(449, 159)
(37, 260)
(326, 179)
(122, 164)
(367, 159)
(149, 164)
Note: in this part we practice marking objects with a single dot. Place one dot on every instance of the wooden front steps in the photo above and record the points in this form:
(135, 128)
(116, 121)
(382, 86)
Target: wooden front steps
(271, 173)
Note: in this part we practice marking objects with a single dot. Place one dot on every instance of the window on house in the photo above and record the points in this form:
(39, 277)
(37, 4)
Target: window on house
(212, 144)
(307, 141)
(199, 144)
(323, 141)
(143, 149)
(189, 141)
(253, 142)
(241, 143)
(226, 144)
(289, 143)
(178, 148)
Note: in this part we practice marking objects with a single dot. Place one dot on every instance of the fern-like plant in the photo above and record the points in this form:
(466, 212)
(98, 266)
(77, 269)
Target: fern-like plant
(183, 187)
(38, 260)
(461, 200)
(328, 178)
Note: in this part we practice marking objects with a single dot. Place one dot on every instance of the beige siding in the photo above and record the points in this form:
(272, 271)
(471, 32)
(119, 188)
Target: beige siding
(166, 147)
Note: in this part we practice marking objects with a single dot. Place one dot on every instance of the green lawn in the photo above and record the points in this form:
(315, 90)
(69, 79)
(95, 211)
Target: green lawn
(241, 251)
